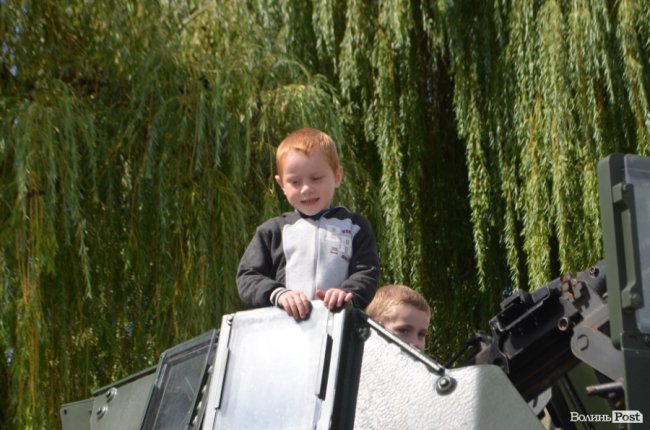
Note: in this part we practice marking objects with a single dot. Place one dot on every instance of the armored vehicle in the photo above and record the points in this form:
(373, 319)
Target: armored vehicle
(573, 353)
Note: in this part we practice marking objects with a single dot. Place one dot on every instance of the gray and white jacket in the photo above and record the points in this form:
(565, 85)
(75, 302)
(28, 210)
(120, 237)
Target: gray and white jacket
(301, 253)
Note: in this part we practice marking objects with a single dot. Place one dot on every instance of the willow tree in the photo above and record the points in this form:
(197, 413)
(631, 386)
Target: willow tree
(136, 154)
(548, 89)
(137, 143)
(487, 120)
(541, 91)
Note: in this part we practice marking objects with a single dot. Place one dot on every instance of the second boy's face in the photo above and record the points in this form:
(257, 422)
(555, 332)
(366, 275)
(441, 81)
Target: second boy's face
(410, 324)
(308, 181)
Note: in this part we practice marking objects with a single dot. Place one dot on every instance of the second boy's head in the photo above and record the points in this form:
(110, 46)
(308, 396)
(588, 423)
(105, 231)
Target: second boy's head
(308, 170)
(403, 311)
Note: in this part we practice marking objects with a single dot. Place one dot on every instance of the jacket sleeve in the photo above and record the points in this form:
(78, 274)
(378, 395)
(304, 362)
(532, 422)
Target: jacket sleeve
(363, 272)
(257, 272)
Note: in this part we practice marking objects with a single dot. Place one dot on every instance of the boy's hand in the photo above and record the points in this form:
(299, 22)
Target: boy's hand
(334, 298)
(295, 304)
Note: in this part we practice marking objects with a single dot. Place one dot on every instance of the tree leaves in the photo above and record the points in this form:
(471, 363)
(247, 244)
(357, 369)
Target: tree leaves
(137, 156)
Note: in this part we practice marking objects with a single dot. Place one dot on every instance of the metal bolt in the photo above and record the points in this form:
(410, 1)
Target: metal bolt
(110, 394)
(444, 385)
(101, 412)
(564, 324)
(582, 342)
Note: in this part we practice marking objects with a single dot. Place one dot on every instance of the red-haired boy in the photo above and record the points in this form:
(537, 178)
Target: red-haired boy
(315, 251)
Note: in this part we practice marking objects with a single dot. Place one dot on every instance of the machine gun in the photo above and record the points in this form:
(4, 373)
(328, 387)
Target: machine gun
(590, 320)
(539, 336)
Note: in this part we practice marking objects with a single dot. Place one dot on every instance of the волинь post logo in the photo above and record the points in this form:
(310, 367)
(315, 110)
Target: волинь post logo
(620, 417)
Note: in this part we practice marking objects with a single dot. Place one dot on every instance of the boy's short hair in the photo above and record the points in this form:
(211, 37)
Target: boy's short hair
(308, 141)
(392, 295)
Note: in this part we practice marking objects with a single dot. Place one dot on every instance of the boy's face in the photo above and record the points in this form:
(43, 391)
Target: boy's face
(410, 324)
(308, 181)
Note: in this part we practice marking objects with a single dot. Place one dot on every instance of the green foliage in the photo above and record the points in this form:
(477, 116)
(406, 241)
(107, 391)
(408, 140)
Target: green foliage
(137, 156)
(136, 163)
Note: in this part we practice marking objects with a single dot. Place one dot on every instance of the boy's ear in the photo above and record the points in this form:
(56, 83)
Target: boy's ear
(338, 176)
(278, 179)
